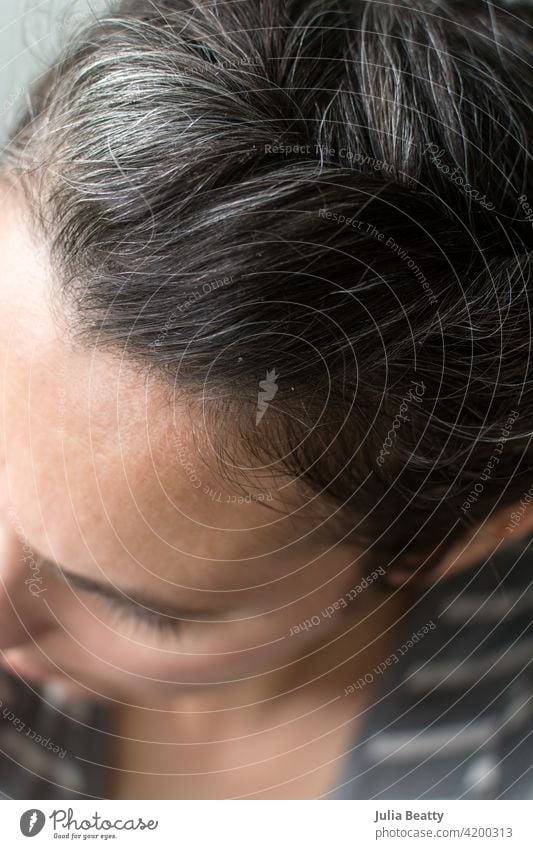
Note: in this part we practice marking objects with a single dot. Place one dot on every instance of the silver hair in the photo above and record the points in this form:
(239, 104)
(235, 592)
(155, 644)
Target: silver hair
(357, 172)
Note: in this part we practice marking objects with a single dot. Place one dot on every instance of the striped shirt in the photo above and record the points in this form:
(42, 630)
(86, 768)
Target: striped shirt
(451, 714)
(453, 719)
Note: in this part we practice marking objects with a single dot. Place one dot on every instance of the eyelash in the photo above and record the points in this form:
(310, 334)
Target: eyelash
(166, 625)
(161, 625)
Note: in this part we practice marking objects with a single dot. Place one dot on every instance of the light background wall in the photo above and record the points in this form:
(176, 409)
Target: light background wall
(31, 34)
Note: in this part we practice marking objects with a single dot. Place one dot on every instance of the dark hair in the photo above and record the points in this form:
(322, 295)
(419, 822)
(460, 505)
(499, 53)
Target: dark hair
(332, 192)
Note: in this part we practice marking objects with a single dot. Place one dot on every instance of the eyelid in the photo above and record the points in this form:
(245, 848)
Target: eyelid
(140, 615)
(145, 616)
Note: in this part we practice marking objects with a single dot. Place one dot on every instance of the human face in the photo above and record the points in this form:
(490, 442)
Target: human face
(101, 478)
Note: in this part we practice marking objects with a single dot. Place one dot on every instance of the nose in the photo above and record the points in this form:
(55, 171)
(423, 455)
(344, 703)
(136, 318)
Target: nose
(24, 613)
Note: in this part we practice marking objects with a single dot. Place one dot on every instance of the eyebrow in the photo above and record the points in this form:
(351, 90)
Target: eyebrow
(138, 603)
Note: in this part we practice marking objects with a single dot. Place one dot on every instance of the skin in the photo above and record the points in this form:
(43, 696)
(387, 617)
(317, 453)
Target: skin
(90, 480)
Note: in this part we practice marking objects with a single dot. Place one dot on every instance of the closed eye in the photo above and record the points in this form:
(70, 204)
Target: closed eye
(129, 608)
(143, 616)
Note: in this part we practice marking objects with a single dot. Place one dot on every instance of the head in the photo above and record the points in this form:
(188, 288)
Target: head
(265, 328)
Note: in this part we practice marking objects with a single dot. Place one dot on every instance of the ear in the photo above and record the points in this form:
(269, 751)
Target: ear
(476, 545)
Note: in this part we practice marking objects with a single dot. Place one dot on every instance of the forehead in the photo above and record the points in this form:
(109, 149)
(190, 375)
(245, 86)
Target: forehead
(97, 464)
